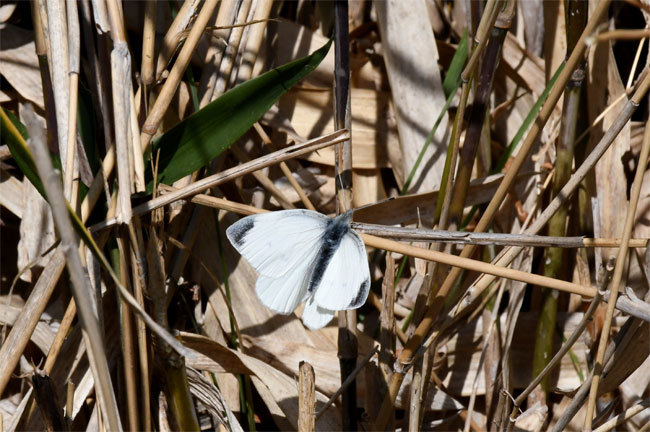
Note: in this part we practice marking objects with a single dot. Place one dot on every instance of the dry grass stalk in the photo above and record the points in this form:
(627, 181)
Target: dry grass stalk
(147, 71)
(69, 244)
(71, 144)
(307, 401)
(166, 94)
(58, 61)
(232, 173)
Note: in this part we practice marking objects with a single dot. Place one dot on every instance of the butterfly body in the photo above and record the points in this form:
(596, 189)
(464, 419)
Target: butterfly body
(302, 255)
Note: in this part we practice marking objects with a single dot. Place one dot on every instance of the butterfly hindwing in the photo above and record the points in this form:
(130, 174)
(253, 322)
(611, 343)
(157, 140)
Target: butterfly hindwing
(284, 294)
(314, 316)
(276, 243)
(346, 280)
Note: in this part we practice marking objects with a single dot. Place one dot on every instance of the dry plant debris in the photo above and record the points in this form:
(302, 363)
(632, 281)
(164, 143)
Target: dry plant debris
(510, 274)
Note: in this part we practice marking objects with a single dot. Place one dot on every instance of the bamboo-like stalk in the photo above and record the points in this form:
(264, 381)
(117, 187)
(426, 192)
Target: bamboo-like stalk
(230, 52)
(136, 243)
(621, 260)
(175, 75)
(554, 264)
(70, 243)
(255, 39)
(624, 416)
(121, 74)
(307, 398)
(173, 36)
(59, 58)
(128, 348)
(387, 332)
(479, 238)
(481, 38)
(147, 72)
(347, 337)
(71, 145)
(225, 17)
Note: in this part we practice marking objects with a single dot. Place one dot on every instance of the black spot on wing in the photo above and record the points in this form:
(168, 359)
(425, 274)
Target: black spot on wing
(362, 295)
(334, 232)
(238, 231)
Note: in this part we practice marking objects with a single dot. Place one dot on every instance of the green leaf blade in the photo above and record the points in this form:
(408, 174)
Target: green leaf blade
(205, 134)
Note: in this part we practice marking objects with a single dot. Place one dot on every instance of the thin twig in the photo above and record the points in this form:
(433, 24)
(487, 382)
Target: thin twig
(232, 173)
(479, 238)
(348, 381)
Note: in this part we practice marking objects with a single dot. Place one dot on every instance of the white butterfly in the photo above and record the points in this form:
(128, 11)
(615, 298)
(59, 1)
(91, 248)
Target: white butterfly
(302, 255)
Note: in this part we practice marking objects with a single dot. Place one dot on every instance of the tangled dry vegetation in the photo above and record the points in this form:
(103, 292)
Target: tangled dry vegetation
(509, 274)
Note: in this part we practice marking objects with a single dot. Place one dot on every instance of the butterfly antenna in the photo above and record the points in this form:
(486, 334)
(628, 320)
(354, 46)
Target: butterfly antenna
(346, 206)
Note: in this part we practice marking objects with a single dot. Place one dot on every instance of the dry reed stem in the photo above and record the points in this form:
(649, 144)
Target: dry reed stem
(230, 52)
(18, 338)
(307, 398)
(225, 16)
(621, 260)
(121, 74)
(128, 349)
(479, 238)
(628, 34)
(168, 90)
(624, 416)
(234, 172)
(285, 168)
(263, 179)
(481, 38)
(80, 286)
(59, 68)
(172, 37)
(255, 39)
(74, 40)
(147, 72)
(136, 243)
(479, 266)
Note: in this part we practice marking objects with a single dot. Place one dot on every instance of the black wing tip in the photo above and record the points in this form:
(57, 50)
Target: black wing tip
(237, 231)
(362, 295)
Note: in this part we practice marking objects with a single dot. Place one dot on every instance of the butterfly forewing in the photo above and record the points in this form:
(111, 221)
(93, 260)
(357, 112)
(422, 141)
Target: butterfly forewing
(346, 280)
(277, 243)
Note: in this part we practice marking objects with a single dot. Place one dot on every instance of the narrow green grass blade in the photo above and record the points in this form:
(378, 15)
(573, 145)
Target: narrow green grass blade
(452, 78)
(201, 137)
(14, 135)
(450, 86)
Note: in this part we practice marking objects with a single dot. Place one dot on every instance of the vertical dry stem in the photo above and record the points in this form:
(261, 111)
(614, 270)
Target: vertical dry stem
(307, 398)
